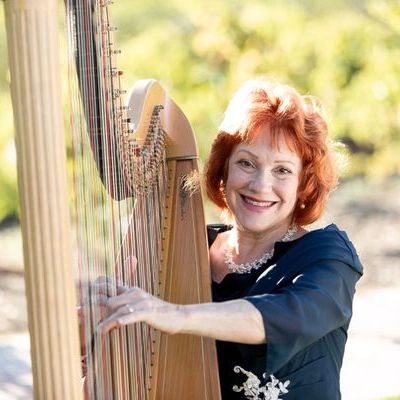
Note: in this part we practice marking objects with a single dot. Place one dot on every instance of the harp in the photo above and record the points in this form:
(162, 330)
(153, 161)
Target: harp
(175, 367)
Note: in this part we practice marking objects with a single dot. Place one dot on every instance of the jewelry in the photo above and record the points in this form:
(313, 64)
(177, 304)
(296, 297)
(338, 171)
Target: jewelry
(130, 308)
(248, 267)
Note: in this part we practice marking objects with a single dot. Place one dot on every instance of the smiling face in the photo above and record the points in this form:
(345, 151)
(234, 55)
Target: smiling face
(262, 183)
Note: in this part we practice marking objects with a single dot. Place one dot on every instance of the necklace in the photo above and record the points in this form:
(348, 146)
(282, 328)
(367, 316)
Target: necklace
(248, 267)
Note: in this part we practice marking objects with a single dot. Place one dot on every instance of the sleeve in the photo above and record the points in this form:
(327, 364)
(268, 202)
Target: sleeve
(317, 301)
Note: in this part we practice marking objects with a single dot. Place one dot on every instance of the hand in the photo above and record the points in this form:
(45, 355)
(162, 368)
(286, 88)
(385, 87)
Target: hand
(94, 304)
(93, 307)
(135, 305)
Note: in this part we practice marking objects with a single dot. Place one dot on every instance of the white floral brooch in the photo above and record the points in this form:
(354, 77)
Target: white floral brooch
(253, 390)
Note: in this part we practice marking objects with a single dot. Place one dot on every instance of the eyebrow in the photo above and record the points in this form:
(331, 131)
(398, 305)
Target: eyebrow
(276, 161)
(285, 161)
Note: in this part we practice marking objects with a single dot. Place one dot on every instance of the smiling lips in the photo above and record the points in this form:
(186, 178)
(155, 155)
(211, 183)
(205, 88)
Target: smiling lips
(257, 203)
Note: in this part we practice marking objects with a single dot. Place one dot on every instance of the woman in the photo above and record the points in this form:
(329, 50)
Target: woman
(282, 295)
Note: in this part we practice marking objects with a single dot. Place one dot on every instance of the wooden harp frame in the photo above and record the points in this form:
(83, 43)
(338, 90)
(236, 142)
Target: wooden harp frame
(187, 365)
(50, 281)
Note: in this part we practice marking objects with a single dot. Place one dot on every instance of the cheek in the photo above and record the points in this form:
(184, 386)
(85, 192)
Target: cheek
(234, 183)
(289, 189)
(230, 187)
(236, 179)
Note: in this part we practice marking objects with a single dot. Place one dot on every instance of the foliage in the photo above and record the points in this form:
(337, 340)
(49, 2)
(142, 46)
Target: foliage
(392, 398)
(345, 52)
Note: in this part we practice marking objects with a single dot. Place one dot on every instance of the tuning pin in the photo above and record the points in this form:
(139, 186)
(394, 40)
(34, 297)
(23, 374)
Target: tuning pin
(114, 72)
(124, 108)
(114, 52)
(110, 28)
(118, 92)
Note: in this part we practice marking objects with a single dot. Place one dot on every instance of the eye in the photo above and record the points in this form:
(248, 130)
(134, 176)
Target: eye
(284, 171)
(245, 163)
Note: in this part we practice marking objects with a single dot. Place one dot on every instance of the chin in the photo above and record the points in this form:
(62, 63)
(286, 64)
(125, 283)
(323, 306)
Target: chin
(260, 225)
(256, 227)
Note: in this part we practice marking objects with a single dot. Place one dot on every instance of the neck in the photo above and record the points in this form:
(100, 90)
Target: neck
(247, 245)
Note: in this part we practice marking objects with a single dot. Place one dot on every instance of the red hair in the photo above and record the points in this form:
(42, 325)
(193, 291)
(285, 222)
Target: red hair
(287, 114)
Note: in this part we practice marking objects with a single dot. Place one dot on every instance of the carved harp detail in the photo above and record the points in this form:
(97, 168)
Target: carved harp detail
(128, 205)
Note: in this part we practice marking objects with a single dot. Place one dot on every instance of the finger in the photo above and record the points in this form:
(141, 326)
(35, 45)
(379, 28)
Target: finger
(132, 267)
(125, 315)
(98, 300)
(105, 285)
(98, 303)
(103, 279)
(132, 295)
(122, 289)
(80, 309)
(96, 308)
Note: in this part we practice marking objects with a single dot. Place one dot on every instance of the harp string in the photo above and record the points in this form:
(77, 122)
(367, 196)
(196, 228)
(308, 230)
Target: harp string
(112, 226)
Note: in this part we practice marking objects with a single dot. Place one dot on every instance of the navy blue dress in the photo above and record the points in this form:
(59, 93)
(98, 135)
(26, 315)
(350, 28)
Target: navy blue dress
(304, 294)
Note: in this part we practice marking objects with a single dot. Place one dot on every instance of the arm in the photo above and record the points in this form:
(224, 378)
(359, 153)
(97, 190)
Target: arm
(235, 321)
(317, 302)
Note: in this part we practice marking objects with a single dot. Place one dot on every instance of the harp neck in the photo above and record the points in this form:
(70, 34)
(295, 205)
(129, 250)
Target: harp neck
(144, 97)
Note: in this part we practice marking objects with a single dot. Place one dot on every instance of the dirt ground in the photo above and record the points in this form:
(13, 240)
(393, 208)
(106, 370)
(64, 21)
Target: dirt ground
(369, 213)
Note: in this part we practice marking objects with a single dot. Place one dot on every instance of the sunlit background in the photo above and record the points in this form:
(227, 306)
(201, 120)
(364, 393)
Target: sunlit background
(346, 53)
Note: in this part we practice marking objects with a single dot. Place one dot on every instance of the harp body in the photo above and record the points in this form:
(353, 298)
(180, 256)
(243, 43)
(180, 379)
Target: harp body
(183, 366)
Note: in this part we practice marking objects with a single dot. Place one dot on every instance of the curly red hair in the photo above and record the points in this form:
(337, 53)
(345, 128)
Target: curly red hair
(287, 114)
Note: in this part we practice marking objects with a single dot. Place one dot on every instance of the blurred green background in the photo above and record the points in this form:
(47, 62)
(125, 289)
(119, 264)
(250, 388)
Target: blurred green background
(345, 52)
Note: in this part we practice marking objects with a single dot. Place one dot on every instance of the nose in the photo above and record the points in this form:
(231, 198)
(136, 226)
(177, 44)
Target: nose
(262, 182)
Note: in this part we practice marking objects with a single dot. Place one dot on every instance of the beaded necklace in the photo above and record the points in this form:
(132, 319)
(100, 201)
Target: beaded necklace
(256, 264)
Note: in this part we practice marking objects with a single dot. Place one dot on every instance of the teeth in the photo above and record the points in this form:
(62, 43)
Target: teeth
(258, 203)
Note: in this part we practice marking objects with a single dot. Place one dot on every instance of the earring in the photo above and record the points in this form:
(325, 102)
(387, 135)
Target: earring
(302, 206)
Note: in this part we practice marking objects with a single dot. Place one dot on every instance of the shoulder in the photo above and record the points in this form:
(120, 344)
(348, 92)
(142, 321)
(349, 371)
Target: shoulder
(328, 243)
(329, 237)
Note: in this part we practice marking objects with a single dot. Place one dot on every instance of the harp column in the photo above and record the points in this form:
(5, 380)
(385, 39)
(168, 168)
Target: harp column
(36, 94)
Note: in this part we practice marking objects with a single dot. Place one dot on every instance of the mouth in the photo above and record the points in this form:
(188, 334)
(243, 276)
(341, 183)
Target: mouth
(257, 203)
